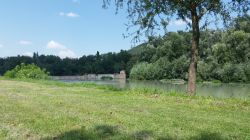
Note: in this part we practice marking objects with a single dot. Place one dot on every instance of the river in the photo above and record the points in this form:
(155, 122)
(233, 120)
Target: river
(218, 90)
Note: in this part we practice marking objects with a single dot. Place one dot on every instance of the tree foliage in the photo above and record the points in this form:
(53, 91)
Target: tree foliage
(30, 71)
(224, 55)
(150, 16)
(96, 64)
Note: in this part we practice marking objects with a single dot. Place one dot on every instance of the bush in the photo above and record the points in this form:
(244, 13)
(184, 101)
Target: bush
(204, 70)
(232, 73)
(239, 74)
(165, 68)
(247, 71)
(161, 69)
(30, 71)
(141, 71)
(180, 68)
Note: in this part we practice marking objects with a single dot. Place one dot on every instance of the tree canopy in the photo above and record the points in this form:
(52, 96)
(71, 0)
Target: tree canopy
(151, 15)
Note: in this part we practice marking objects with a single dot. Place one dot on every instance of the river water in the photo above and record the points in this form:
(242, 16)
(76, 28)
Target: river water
(218, 90)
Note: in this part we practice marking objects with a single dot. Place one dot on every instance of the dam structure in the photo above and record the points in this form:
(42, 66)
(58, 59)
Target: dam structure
(88, 77)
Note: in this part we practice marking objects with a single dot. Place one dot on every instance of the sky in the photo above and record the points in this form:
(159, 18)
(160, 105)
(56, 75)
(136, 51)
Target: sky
(66, 28)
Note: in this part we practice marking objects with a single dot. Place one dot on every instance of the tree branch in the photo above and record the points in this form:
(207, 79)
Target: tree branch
(205, 10)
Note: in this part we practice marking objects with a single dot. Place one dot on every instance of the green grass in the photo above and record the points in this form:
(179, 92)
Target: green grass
(53, 110)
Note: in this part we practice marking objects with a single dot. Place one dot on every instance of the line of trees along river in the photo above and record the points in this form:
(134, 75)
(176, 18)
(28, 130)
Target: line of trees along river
(98, 64)
(224, 55)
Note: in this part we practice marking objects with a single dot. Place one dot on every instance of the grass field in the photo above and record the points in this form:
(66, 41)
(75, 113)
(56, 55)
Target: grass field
(51, 110)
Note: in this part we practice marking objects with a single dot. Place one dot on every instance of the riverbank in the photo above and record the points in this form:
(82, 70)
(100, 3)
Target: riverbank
(56, 110)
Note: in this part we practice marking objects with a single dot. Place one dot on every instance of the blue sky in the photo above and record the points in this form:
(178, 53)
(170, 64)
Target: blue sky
(67, 28)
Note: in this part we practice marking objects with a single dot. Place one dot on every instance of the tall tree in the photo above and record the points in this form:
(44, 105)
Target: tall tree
(150, 15)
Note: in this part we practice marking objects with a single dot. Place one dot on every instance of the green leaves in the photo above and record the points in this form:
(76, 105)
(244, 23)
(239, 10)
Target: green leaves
(30, 71)
(223, 55)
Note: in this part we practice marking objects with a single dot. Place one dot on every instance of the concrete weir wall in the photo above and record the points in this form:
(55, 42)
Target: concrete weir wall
(121, 75)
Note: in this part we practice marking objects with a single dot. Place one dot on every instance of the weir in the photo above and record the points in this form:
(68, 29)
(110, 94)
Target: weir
(116, 76)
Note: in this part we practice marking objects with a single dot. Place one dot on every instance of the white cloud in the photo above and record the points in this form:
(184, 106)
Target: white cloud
(179, 22)
(63, 51)
(30, 54)
(25, 42)
(66, 53)
(70, 14)
(55, 45)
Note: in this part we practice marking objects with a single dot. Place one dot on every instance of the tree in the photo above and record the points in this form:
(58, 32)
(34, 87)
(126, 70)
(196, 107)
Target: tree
(149, 15)
(242, 23)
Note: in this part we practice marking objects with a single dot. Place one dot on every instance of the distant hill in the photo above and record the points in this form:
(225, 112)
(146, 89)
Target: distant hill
(137, 49)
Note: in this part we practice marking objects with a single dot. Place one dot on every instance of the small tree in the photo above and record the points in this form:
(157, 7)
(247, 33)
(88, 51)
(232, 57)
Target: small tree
(149, 15)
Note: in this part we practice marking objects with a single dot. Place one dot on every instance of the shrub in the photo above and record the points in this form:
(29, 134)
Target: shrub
(30, 71)
(180, 68)
(161, 69)
(239, 74)
(203, 70)
(165, 68)
(232, 73)
(141, 71)
(247, 71)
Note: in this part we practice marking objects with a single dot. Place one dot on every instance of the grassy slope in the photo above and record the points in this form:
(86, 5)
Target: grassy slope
(49, 110)
(137, 49)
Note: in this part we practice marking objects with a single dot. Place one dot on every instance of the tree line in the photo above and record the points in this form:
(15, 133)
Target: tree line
(96, 64)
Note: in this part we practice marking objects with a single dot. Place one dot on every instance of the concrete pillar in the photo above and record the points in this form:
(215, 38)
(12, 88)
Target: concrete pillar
(122, 74)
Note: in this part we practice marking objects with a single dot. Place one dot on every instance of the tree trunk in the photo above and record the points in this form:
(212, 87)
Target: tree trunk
(194, 52)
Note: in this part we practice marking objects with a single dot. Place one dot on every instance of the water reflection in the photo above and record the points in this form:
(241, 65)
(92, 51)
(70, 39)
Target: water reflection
(208, 89)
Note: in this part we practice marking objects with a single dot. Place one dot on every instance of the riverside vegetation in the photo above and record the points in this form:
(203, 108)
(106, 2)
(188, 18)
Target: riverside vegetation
(31, 109)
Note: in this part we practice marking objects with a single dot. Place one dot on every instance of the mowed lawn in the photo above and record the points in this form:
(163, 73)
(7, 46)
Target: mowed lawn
(51, 110)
